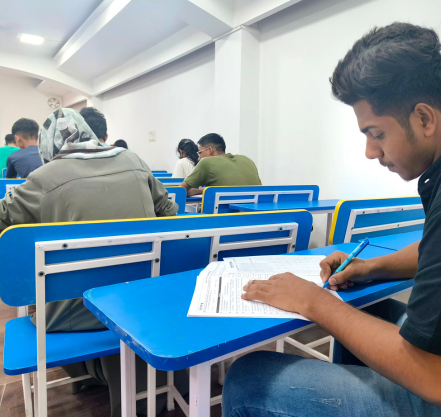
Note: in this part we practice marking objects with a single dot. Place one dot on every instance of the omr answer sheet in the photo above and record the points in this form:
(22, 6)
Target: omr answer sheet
(218, 294)
(304, 266)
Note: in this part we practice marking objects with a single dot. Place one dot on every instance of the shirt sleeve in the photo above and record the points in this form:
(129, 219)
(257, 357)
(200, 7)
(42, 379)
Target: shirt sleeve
(422, 328)
(200, 174)
(10, 169)
(179, 170)
(21, 205)
(163, 206)
(257, 173)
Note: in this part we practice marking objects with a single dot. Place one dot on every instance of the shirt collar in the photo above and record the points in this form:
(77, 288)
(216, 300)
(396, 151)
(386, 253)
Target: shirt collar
(430, 177)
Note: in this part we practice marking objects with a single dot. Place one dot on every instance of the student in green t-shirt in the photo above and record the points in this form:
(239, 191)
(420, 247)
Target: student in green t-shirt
(5, 151)
(219, 168)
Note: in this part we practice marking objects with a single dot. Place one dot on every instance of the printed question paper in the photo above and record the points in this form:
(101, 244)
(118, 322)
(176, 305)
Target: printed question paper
(219, 288)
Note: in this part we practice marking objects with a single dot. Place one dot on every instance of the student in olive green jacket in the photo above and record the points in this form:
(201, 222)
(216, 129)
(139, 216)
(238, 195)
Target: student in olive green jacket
(83, 180)
(222, 169)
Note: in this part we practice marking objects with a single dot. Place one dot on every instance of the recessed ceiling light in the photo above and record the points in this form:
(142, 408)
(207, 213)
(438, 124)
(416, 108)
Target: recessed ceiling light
(36, 40)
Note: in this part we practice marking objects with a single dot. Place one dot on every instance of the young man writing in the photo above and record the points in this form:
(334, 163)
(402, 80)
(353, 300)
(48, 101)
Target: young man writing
(219, 168)
(27, 159)
(392, 79)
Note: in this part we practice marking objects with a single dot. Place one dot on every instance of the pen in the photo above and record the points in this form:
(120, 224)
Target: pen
(353, 255)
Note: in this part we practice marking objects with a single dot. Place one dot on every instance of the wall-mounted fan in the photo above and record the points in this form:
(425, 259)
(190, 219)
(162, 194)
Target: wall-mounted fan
(53, 103)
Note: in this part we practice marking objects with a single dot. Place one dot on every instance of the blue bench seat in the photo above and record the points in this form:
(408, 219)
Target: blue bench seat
(20, 349)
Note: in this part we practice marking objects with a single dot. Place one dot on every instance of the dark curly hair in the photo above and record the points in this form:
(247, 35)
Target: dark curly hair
(190, 149)
(393, 68)
(96, 121)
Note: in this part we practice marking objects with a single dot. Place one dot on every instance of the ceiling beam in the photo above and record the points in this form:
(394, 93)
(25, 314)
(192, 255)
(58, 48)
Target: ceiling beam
(176, 46)
(100, 17)
(45, 69)
(212, 17)
(248, 12)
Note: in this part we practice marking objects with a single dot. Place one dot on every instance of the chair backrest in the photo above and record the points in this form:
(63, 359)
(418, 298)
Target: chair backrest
(179, 196)
(162, 175)
(7, 184)
(217, 199)
(159, 172)
(357, 219)
(4, 172)
(69, 258)
(170, 182)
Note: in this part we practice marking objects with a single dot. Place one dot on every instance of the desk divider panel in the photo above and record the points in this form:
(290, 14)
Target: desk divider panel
(123, 250)
(162, 175)
(170, 182)
(7, 184)
(178, 195)
(358, 219)
(217, 199)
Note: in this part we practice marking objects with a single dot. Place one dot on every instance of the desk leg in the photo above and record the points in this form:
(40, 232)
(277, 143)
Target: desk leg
(200, 382)
(280, 345)
(151, 391)
(128, 381)
(221, 378)
(170, 383)
(328, 228)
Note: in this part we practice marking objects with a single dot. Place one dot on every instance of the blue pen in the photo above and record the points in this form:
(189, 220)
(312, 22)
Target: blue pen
(353, 255)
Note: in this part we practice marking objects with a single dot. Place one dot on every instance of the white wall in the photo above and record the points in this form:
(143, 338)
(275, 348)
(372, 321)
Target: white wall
(19, 98)
(176, 100)
(306, 137)
(78, 106)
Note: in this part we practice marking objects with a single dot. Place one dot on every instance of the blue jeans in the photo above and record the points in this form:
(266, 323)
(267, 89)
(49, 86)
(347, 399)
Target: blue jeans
(270, 384)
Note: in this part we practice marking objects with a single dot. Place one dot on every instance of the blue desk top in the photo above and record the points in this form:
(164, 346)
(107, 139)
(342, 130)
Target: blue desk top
(194, 199)
(150, 315)
(316, 205)
(397, 241)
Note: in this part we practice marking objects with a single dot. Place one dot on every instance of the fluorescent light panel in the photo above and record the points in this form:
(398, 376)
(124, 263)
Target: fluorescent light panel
(35, 40)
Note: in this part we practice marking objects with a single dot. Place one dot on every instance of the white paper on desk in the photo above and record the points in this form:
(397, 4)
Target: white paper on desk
(218, 294)
(304, 266)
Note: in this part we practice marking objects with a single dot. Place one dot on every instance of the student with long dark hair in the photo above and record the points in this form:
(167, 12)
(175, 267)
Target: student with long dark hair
(188, 158)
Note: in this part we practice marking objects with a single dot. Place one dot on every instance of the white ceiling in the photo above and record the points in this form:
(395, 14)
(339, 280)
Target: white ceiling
(139, 26)
(55, 20)
(92, 46)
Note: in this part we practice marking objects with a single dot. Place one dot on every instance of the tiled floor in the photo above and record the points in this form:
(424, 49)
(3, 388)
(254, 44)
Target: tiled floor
(94, 402)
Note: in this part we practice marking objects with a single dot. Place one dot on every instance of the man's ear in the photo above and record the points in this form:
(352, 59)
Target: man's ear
(426, 118)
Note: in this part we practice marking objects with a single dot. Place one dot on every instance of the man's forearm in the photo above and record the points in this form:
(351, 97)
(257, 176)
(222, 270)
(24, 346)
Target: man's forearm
(398, 265)
(378, 344)
(195, 191)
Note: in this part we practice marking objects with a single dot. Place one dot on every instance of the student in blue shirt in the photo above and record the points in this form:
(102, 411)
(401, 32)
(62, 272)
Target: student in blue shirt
(392, 79)
(27, 159)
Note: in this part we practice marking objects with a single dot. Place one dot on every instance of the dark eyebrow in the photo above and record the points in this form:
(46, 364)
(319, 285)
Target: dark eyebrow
(366, 129)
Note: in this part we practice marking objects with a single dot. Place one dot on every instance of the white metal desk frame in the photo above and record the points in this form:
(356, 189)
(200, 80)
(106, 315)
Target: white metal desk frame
(255, 199)
(127, 355)
(200, 377)
(276, 194)
(350, 231)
